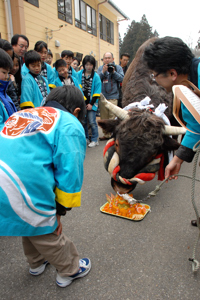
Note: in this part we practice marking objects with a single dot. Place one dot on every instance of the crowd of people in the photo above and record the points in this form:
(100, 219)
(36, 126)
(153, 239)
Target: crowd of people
(31, 78)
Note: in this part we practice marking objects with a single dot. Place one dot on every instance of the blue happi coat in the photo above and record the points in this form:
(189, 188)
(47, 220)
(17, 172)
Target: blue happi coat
(73, 73)
(38, 149)
(31, 94)
(50, 74)
(190, 139)
(96, 88)
(58, 82)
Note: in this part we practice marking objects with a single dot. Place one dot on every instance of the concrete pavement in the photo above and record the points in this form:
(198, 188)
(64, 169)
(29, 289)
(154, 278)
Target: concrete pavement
(130, 260)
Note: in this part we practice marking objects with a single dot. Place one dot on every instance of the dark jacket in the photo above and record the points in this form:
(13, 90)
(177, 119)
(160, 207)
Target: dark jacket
(12, 93)
(110, 82)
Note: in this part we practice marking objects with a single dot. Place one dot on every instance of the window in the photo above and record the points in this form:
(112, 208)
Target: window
(80, 14)
(85, 17)
(34, 2)
(106, 29)
(102, 27)
(91, 20)
(65, 10)
(110, 31)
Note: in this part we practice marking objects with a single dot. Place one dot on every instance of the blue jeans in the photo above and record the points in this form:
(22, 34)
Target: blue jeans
(90, 119)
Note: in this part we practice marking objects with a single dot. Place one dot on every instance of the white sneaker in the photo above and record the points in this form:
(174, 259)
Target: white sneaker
(39, 270)
(93, 144)
(84, 269)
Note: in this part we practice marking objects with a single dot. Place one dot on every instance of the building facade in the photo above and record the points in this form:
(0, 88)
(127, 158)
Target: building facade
(84, 27)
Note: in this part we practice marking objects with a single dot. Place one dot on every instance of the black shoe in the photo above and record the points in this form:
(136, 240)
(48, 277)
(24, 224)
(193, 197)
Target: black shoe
(194, 223)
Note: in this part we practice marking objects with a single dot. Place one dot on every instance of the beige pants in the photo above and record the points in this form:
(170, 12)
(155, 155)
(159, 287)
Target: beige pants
(58, 250)
(105, 114)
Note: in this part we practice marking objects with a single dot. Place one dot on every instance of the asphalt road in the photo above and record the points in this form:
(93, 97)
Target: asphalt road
(130, 260)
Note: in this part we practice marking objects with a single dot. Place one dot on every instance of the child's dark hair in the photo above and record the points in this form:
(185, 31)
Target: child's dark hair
(50, 53)
(16, 37)
(5, 60)
(17, 57)
(78, 60)
(5, 45)
(70, 97)
(90, 59)
(67, 53)
(60, 63)
(31, 57)
(40, 45)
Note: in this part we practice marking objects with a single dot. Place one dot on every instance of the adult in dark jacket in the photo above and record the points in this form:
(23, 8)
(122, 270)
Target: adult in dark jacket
(124, 60)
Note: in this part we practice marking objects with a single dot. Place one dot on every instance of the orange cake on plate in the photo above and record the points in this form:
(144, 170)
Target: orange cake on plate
(117, 206)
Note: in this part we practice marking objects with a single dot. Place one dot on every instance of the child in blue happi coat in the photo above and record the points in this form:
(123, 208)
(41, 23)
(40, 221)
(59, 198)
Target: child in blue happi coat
(46, 70)
(32, 200)
(34, 86)
(7, 107)
(63, 76)
(67, 56)
(90, 83)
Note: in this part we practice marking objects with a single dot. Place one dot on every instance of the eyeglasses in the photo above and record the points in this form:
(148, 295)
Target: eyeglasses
(23, 46)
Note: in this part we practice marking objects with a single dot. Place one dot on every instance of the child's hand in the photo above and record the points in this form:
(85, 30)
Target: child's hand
(89, 106)
(12, 77)
(59, 228)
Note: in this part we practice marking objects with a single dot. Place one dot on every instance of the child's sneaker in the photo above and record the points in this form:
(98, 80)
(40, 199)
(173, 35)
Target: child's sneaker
(93, 144)
(39, 270)
(84, 268)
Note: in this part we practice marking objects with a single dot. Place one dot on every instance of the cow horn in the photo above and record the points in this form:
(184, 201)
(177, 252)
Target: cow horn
(114, 162)
(173, 130)
(119, 112)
